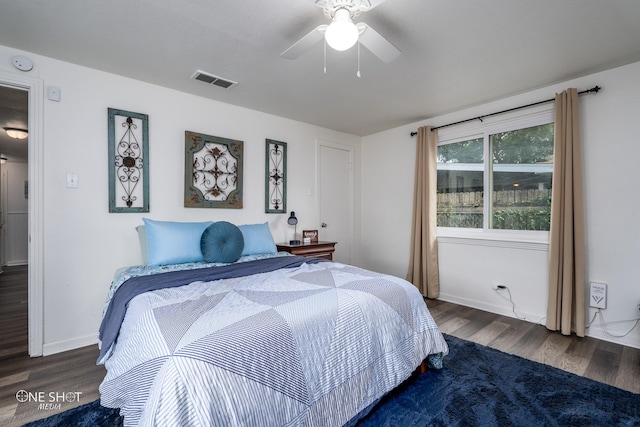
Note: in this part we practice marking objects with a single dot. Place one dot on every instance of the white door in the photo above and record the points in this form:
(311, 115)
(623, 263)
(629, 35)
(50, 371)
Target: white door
(336, 197)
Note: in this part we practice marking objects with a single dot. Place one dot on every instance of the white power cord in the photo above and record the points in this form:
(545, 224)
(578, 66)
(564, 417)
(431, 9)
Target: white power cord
(513, 305)
(603, 324)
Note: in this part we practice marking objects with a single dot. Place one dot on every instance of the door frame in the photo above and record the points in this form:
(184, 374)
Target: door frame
(35, 204)
(351, 220)
(3, 214)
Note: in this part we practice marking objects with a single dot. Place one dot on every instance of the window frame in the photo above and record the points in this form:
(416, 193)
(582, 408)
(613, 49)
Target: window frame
(540, 115)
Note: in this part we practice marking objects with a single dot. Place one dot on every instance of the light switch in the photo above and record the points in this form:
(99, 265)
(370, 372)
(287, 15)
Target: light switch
(53, 93)
(72, 180)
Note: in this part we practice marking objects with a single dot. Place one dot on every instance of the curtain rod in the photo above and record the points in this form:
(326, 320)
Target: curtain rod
(594, 89)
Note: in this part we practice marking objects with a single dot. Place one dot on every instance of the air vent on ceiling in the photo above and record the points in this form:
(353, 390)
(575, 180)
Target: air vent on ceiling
(211, 79)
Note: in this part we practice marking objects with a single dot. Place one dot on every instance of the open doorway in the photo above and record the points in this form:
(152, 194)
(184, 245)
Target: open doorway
(34, 190)
(14, 218)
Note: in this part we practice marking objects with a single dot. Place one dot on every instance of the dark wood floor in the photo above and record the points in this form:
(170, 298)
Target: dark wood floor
(602, 361)
(76, 372)
(13, 311)
(72, 372)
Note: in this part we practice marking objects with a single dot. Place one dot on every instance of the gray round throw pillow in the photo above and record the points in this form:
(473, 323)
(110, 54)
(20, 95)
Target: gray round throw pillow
(221, 242)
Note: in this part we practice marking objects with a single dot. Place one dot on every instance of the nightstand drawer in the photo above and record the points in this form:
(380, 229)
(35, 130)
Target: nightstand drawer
(313, 250)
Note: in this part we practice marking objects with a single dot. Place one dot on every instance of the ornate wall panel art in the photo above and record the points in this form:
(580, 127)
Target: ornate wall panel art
(213, 172)
(128, 161)
(275, 191)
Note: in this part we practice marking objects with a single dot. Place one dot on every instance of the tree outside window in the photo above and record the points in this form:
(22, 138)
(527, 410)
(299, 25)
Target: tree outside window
(519, 174)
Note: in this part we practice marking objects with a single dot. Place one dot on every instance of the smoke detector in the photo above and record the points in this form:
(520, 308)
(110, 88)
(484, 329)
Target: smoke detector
(22, 63)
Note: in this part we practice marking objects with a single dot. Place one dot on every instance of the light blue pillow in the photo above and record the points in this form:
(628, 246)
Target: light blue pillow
(221, 242)
(257, 239)
(173, 242)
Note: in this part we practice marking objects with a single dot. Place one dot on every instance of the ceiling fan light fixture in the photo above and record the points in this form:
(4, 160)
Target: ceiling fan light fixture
(342, 33)
(16, 133)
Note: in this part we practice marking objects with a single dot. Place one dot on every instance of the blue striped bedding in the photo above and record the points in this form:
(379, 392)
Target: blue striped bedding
(311, 345)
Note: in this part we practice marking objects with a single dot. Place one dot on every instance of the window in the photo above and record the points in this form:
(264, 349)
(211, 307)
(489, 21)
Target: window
(461, 184)
(514, 162)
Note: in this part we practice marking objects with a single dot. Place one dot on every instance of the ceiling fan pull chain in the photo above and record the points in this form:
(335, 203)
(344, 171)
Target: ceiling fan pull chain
(325, 57)
(358, 73)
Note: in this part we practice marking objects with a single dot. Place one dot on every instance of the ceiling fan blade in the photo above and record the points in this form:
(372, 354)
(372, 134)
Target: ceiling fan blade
(371, 4)
(313, 37)
(377, 44)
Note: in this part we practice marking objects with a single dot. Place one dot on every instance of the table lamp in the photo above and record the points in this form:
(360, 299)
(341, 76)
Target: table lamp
(293, 221)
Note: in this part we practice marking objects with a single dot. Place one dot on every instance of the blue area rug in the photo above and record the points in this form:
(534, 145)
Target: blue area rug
(478, 386)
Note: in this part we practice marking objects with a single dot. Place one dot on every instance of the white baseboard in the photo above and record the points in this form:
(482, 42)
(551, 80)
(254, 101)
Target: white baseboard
(595, 331)
(16, 263)
(71, 344)
(502, 310)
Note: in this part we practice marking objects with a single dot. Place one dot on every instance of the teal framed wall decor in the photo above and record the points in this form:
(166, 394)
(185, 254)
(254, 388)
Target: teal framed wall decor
(128, 135)
(213, 171)
(275, 183)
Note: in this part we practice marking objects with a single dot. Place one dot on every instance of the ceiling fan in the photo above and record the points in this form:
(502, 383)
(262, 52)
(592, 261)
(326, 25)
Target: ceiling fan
(342, 33)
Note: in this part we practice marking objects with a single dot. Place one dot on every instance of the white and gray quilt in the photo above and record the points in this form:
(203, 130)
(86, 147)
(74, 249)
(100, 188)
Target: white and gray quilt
(311, 345)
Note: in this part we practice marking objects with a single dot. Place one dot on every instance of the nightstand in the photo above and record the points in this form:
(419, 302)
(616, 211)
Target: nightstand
(312, 250)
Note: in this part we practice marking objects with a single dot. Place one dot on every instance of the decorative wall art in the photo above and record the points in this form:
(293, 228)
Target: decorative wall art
(213, 172)
(275, 189)
(128, 161)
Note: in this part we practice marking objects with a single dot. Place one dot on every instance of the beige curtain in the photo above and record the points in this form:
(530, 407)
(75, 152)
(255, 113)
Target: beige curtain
(423, 263)
(566, 306)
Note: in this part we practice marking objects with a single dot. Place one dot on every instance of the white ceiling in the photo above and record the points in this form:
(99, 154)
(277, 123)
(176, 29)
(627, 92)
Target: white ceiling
(455, 53)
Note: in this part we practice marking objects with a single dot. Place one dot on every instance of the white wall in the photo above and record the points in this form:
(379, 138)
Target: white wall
(84, 244)
(14, 212)
(468, 267)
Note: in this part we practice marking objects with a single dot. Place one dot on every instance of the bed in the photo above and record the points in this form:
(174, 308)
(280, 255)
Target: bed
(269, 339)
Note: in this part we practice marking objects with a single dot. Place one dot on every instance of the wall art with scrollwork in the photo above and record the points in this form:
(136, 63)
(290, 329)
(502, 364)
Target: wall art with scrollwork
(213, 172)
(275, 189)
(128, 135)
